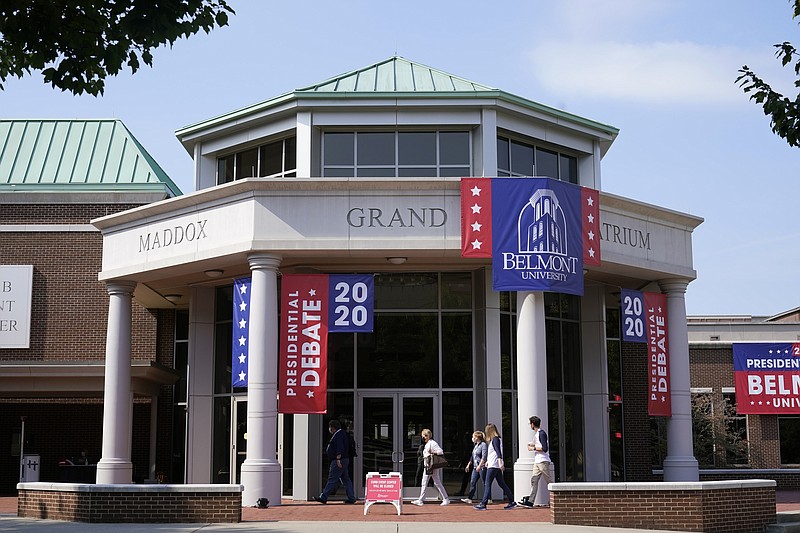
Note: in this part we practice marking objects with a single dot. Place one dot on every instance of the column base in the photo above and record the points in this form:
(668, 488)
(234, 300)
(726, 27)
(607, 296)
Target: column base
(261, 479)
(114, 471)
(678, 469)
(523, 470)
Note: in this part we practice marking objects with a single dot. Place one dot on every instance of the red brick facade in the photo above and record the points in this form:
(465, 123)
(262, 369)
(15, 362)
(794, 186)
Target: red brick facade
(158, 504)
(69, 311)
(724, 510)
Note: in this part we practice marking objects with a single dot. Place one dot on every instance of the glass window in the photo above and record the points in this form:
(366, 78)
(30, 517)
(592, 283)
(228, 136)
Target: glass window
(418, 148)
(789, 431)
(406, 290)
(271, 159)
(341, 359)
(568, 168)
(546, 163)
(375, 149)
(247, 164)
(339, 148)
(403, 352)
(454, 148)
(290, 156)
(225, 169)
(521, 159)
(457, 350)
(456, 290)
(502, 155)
(389, 154)
(516, 158)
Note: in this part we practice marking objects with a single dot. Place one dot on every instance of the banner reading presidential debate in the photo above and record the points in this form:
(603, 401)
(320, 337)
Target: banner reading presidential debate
(767, 378)
(539, 232)
(312, 305)
(644, 319)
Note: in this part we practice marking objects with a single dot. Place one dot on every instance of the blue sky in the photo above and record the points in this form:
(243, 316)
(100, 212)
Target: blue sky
(662, 71)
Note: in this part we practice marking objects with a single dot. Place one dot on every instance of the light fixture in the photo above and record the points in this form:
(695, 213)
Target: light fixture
(397, 260)
(174, 298)
(214, 272)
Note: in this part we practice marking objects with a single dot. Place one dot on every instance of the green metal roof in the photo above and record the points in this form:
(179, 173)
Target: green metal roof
(396, 74)
(77, 156)
(395, 77)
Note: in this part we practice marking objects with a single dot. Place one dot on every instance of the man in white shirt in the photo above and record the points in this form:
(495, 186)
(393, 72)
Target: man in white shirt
(541, 461)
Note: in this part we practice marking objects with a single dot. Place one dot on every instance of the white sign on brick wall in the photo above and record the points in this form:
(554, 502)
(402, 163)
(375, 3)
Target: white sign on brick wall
(16, 288)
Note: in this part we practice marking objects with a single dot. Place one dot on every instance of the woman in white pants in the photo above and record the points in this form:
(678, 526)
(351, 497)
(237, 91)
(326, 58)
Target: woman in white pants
(431, 448)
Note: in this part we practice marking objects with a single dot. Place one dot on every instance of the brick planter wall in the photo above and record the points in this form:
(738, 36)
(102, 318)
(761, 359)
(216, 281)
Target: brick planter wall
(713, 507)
(130, 503)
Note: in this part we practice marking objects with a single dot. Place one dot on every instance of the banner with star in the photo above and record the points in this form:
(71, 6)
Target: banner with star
(302, 385)
(241, 332)
(767, 378)
(539, 231)
(313, 305)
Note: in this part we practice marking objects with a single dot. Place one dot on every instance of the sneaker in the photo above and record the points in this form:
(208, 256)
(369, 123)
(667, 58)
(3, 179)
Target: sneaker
(445, 502)
(320, 500)
(479, 507)
(490, 502)
(466, 500)
(350, 501)
(511, 505)
(542, 505)
(526, 503)
(416, 502)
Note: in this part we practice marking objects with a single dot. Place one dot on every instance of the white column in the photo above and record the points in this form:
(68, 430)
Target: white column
(115, 466)
(680, 464)
(261, 471)
(531, 384)
(151, 471)
(200, 394)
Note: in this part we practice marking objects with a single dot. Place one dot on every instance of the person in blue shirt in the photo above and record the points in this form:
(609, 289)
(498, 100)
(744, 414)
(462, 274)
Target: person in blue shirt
(495, 466)
(339, 454)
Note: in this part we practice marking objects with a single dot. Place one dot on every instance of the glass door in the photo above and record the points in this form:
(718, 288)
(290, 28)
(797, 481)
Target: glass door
(238, 437)
(391, 424)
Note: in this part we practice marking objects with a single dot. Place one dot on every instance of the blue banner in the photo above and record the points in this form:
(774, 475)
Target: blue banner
(351, 307)
(633, 318)
(537, 244)
(241, 332)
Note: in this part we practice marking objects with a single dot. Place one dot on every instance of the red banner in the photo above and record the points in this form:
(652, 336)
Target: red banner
(590, 212)
(476, 217)
(303, 335)
(660, 400)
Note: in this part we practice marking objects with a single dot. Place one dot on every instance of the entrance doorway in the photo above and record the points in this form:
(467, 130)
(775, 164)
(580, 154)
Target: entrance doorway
(390, 436)
(565, 431)
(239, 437)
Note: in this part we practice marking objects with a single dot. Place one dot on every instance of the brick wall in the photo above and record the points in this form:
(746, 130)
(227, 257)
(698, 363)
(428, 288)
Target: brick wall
(740, 510)
(69, 311)
(154, 506)
(637, 434)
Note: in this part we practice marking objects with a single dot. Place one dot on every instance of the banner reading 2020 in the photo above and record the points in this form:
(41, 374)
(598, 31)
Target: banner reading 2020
(311, 306)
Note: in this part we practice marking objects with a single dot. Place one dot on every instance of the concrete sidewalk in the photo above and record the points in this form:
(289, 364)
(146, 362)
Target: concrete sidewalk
(8, 523)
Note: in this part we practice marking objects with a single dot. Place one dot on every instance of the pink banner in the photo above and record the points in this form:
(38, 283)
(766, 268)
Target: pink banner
(660, 401)
(303, 335)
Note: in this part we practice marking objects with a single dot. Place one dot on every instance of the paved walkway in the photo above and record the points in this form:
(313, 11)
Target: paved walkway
(311, 517)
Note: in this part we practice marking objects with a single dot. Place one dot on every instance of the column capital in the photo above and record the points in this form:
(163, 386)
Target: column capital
(120, 286)
(674, 285)
(261, 261)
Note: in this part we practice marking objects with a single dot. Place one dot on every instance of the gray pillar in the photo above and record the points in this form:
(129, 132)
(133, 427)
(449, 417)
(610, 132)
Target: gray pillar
(261, 471)
(115, 466)
(531, 385)
(680, 464)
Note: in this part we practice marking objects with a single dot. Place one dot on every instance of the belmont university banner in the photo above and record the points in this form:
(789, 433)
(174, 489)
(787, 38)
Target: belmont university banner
(539, 232)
